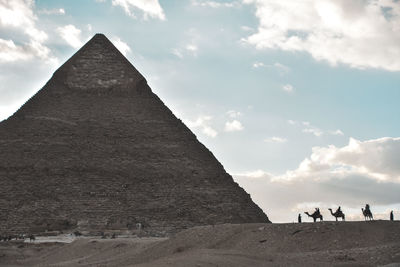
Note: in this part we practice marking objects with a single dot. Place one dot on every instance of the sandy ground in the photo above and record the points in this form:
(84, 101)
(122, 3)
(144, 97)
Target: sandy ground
(375, 243)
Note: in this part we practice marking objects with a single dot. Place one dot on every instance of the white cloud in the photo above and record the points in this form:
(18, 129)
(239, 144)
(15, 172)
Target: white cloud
(361, 34)
(351, 193)
(349, 176)
(376, 159)
(56, 11)
(275, 139)
(313, 130)
(150, 8)
(258, 65)
(71, 35)
(246, 28)
(203, 123)
(191, 47)
(214, 4)
(10, 52)
(233, 126)
(177, 53)
(337, 132)
(18, 14)
(18, 19)
(209, 131)
(188, 49)
(288, 88)
(234, 114)
(255, 174)
(121, 45)
(282, 69)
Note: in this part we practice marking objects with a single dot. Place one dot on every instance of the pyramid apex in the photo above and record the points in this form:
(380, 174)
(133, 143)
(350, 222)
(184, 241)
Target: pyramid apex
(99, 36)
(99, 66)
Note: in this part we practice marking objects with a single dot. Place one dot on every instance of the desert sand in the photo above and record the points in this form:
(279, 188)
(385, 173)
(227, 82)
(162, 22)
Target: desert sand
(375, 243)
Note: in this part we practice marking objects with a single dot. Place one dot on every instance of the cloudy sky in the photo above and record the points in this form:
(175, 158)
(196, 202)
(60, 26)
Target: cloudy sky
(297, 99)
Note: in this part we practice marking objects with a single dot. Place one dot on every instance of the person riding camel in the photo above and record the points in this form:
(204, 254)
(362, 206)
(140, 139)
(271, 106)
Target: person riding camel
(367, 212)
(339, 210)
(317, 211)
(367, 207)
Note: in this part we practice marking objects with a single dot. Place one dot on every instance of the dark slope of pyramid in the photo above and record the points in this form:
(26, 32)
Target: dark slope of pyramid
(96, 149)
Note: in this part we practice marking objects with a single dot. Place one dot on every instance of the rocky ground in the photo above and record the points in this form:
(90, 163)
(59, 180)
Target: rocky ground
(375, 243)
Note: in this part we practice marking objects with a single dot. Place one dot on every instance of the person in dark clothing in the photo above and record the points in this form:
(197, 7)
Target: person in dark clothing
(367, 207)
(391, 216)
(317, 211)
(299, 218)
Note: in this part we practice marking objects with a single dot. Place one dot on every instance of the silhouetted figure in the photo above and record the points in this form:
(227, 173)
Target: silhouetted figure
(77, 233)
(316, 215)
(32, 238)
(367, 212)
(299, 218)
(338, 214)
(391, 216)
(317, 211)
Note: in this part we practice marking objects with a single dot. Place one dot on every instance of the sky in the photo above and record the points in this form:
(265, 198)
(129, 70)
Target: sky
(297, 99)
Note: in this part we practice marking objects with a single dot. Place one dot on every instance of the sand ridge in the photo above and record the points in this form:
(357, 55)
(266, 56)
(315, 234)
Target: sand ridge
(375, 243)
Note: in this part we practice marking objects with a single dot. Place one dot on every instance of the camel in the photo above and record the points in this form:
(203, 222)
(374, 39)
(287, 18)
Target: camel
(316, 215)
(367, 214)
(337, 214)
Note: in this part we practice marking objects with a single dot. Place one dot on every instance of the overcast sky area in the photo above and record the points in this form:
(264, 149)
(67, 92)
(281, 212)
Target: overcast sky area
(299, 100)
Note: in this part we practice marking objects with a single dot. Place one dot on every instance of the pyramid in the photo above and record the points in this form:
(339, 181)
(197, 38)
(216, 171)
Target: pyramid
(95, 148)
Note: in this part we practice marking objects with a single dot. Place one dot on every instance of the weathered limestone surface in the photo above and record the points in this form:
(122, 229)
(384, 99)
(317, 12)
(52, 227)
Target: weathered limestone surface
(96, 149)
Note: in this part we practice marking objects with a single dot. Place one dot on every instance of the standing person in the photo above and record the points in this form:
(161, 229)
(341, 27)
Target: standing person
(299, 218)
(391, 216)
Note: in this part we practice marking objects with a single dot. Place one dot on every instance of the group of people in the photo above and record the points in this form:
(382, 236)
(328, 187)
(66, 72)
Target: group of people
(366, 212)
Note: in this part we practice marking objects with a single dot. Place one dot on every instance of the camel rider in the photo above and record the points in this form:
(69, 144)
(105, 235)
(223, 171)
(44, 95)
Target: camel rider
(317, 211)
(339, 210)
(367, 207)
